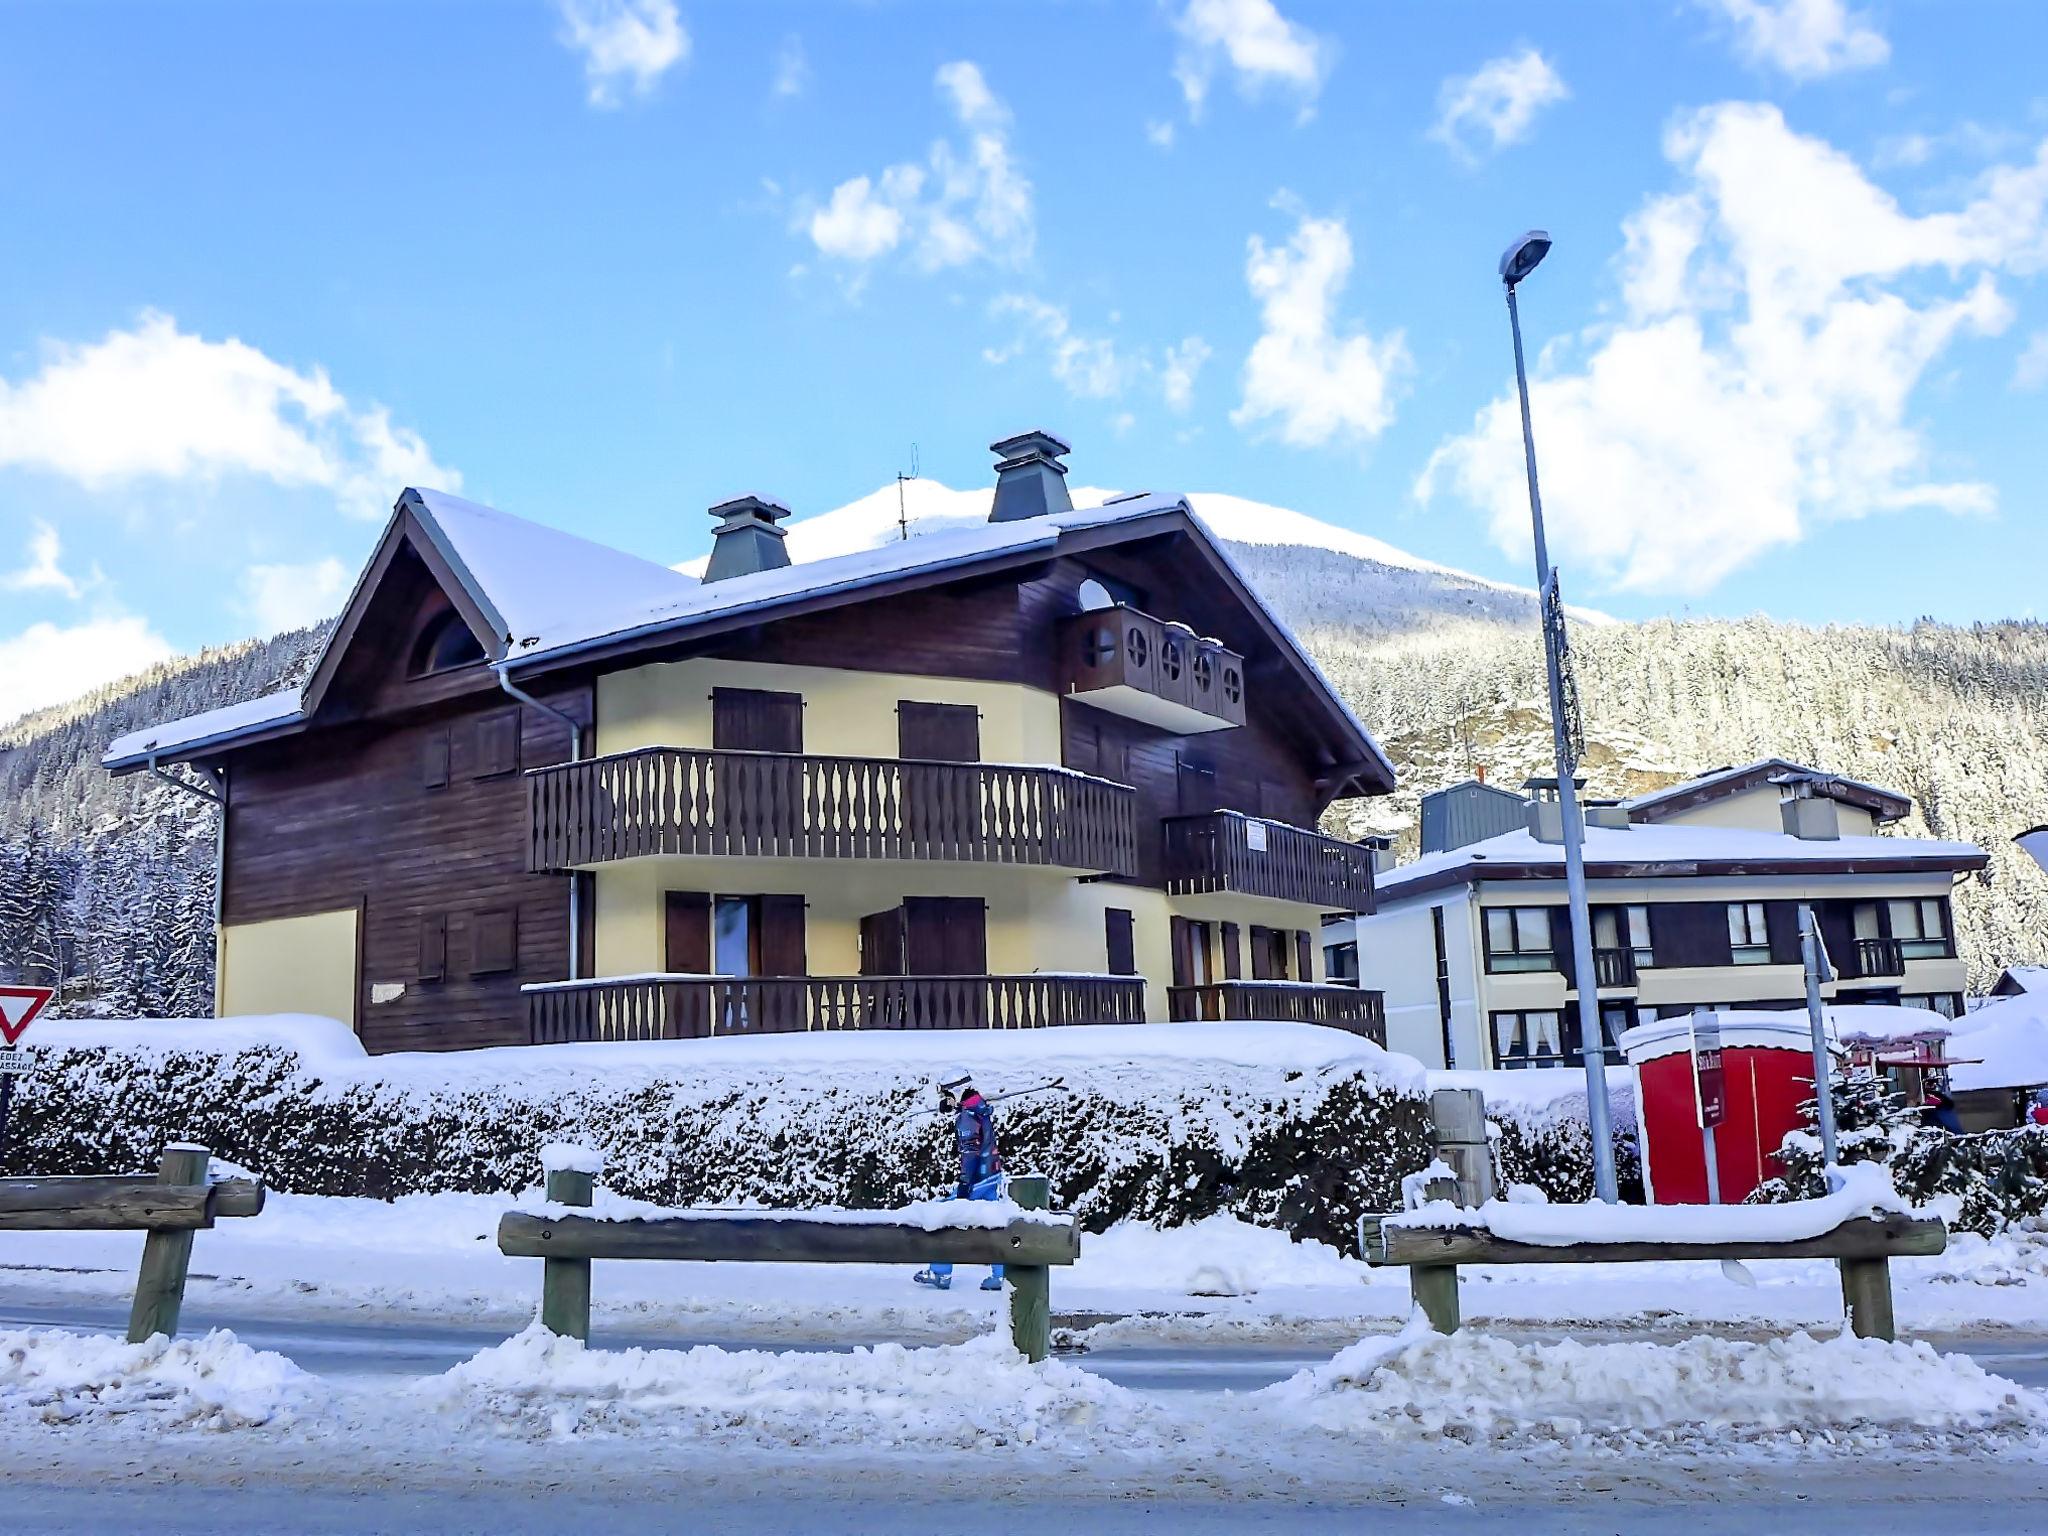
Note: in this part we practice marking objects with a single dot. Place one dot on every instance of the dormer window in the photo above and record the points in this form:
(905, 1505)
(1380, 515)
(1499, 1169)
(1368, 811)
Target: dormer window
(444, 645)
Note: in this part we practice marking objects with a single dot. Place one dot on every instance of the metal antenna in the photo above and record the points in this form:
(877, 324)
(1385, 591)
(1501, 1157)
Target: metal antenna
(902, 514)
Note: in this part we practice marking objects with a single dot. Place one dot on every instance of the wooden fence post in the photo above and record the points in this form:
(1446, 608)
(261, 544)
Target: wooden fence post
(565, 1283)
(166, 1255)
(1867, 1298)
(1030, 1284)
(1457, 1123)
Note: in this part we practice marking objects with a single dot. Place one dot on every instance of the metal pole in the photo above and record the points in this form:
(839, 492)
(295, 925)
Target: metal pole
(1591, 1043)
(6, 1103)
(1713, 1165)
(1816, 1019)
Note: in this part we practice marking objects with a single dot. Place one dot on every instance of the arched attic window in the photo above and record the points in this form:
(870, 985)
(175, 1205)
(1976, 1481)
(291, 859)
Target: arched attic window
(444, 645)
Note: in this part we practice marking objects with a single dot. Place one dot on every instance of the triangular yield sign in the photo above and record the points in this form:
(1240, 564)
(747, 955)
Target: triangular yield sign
(18, 1009)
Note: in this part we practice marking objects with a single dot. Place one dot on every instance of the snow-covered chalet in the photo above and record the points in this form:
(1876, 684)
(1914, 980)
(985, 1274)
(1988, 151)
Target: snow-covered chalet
(1062, 767)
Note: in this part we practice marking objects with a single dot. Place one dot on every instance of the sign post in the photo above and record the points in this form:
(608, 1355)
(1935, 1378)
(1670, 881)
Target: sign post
(1709, 1090)
(18, 1009)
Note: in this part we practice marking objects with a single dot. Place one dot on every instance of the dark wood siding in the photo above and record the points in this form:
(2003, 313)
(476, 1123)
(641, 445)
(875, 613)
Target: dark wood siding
(1690, 933)
(1781, 922)
(353, 815)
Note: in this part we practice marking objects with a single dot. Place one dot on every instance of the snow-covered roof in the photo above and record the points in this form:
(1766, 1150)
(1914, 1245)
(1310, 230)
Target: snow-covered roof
(1669, 849)
(2003, 1044)
(215, 725)
(2025, 978)
(1725, 781)
(549, 595)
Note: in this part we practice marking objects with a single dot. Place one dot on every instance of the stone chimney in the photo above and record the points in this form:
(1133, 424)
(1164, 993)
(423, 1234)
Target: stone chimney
(1808, 811)
(1545, 810)
(1030, 479)
(746, 539)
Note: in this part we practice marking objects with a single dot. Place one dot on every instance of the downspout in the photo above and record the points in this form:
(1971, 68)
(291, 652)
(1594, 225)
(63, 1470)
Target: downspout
(219, 798)
(575, 755)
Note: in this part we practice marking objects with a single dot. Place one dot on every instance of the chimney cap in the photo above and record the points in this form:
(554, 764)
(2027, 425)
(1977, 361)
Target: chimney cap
(763, 507)
(1026, 446)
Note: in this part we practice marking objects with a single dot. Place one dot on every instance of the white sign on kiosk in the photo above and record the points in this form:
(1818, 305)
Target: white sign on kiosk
(1255, 836)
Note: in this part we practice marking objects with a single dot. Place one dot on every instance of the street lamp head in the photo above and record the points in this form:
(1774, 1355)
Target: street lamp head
(1522, 257)
(2035, 842)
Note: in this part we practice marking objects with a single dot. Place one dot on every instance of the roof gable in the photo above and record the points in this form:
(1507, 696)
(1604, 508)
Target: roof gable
(1724, 783)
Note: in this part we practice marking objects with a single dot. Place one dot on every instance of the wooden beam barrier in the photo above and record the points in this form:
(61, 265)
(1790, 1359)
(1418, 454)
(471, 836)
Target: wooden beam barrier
(565, 1278)
(742, 1239)
(103, 1202)
(167, 1252)
(1030, 1284)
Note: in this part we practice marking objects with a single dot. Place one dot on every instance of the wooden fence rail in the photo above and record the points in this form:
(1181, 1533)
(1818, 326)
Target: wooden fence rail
(1298, 1002)
(685, 800)
(567, 1242)
(178, 1201)
(1229, 851)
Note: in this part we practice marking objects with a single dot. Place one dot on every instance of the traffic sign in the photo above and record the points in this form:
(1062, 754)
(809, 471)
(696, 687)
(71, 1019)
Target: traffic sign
(1710, 1092)
(18, 1009)
(13, 1060)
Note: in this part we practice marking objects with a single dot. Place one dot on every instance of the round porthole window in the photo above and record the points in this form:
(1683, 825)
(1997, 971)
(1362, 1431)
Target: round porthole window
(1205, 671)
(1233, 685)
(1141, 647)
(1100, 648)
(1170, 660)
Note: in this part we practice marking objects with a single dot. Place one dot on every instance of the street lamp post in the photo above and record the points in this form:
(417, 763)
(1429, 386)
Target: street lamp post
(1521, 259)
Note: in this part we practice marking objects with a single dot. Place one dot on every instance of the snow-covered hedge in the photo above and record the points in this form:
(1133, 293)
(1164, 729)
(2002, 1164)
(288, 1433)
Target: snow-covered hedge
(1284, 1125)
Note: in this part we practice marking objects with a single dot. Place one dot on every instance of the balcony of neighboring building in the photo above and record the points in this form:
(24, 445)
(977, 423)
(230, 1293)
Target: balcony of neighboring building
(1333, 1004)
(1123, 660)
(686, 801)
(1229, 852)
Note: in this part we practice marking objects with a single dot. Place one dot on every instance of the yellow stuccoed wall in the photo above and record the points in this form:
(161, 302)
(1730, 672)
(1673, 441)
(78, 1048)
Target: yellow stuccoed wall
(290, 965)
(846, 714)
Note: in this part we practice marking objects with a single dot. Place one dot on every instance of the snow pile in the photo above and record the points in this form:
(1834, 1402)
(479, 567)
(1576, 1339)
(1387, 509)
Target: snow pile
(567, 1157)
(2002, 1045)
(948, 1215)
(1859, 1189)
(50, 1376)
(2016, 1256)
(956, 1397)
(1839, 1393)
(1219, 1256)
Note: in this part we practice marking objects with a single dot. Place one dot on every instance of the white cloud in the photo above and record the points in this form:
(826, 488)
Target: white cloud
(966, 202)
(281, 597)
(1777, 310)
(1177, 376)
(1259, 47)
(1804, 39)
(1316, 383)
(2031, 371)
(627, 45)
(155, 402)
(1089, 367)
(1496, 105)
(43, 573)
(47, 664)
(1159, 133)
(792, 68)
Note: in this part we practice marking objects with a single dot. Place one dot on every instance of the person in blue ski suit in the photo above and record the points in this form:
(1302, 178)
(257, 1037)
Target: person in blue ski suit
(981, 1164)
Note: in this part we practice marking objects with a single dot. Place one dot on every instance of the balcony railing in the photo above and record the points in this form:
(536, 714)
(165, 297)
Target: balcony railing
(1614, 967)
(1227, 851)
(699, 1007)
(1130, 663)
(1878, 957)
(680, 800)
(1294, 1002)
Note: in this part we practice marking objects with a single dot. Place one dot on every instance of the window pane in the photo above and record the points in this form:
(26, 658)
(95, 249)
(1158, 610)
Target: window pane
(1931, 922)
(732, 947)
(1905, 919)
(1532, 927)
(1500, 934)
(1736, 936)
(1639, 927)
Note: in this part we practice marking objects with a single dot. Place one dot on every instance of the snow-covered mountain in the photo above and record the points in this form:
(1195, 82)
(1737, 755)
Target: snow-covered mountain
(1387, 587)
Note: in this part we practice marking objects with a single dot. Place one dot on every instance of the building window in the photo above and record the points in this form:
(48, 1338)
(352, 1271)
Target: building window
(1120, 941)
(1518, 939)
(733, 926)
(1340, 961)
(444, 645)
(1624, 928)
(1948, 1004)
(1528, 1039)
(1921, 927)
(1749, 940)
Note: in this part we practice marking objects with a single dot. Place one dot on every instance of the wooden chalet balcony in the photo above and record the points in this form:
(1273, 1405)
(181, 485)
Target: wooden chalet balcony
(1228, 851)
(682, 800)
(1293, 1002)
(1875, 957)
(1125, 661)
(699, 1007)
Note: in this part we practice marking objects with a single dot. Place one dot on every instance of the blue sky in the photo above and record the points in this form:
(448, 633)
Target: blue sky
(606, 262)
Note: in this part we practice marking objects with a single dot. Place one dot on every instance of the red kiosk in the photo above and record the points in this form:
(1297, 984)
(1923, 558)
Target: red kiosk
(1766, 1074)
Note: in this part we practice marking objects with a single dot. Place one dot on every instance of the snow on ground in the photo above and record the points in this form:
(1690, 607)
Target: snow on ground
(1838, 1393)
(980, 1394)
(54, 1377)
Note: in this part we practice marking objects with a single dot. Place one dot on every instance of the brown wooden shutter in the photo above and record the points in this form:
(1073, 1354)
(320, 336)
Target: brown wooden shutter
(881, 943)
(940, 733)
(1269, 954)
(686, 924)
(782, 936)
(756, 720)
(1120, 941)
(497, 744)
(945, 935)
(1183, 941)
(434, 760)
(1233, 963)
(494, 942)
(433, 948)
(1304, 955)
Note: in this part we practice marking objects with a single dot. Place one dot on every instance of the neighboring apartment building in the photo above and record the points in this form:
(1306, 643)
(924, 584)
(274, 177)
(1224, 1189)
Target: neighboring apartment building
(1695, 893)
(1063, 767)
